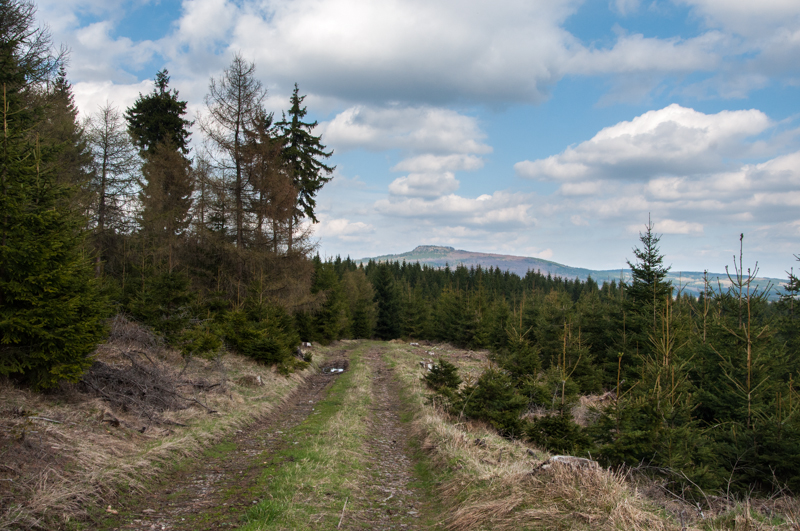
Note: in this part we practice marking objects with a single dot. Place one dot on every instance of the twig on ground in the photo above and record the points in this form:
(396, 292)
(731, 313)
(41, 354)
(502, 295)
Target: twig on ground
(45, 419)
(342, 517)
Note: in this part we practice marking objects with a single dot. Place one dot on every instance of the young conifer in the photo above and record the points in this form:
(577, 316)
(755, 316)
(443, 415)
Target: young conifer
(50, 309)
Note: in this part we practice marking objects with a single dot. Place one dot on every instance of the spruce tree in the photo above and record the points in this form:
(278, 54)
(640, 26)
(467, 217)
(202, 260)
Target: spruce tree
(159, 117)
(303, 153)
(62, 133)
(360, 296)
(645, 298)
(166, 198)
(649, 285)
(50, 308)
(157, 126)
(330, 321)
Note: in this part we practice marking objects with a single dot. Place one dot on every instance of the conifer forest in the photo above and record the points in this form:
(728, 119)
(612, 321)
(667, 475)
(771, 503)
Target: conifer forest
(208, 244)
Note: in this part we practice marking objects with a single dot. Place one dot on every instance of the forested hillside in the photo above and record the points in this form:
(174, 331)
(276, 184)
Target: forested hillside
(117, 212)
(700, 389)
(208, 246)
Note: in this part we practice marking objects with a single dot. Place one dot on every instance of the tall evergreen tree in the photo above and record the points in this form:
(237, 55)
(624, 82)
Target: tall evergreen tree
(360, 298)
(303, 153)
(166, 198)
(159, 117)
(50, 308)
(158, 128)
(62, 132)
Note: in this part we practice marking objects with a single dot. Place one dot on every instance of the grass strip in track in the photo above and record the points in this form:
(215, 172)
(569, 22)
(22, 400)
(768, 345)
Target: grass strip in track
(305, 485)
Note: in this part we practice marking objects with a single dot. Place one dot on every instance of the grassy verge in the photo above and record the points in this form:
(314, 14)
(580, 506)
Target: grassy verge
(307, 483)
(85, 454)
(487, 482)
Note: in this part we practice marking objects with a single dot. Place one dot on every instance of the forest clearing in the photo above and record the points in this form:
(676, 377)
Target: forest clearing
(366, 448)
(175, 353)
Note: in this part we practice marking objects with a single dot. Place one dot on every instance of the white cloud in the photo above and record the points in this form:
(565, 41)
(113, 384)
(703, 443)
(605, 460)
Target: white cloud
(205, 22)
(103, 57)
(671, 226)
(433, 52)
(625, 7)
(670, 141)
(428, 185)
(438, 163)
(581, 188)
(763, 41)
(500, 210)
(637, 53)
(413, 129)
(90, 96)
(748, 18)
(440, 142)
(412, 50)
(342, 229)
(578, 221)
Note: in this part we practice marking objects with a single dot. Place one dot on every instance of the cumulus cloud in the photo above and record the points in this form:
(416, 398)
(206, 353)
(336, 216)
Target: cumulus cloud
(501, 210)
(342, 229)
(671, 226)
(637, 54)
(625, 7)
(412, 50)
(670, 141)
(413, 129)
(90, 96)
(205, 23)
(432, 52)
(581, 188)
(578, 221)
(762, 39)
(438, 141)
(104, 57)
(424, 185)
(428, 162)
(747, 18)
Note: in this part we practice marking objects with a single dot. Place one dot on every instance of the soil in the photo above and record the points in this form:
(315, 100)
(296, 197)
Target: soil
(215, 491)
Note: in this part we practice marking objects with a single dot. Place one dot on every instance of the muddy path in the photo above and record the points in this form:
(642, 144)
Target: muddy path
(214, 490)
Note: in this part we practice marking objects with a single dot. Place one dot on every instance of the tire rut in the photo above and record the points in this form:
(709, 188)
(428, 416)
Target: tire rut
(389, 499)
(217, 488)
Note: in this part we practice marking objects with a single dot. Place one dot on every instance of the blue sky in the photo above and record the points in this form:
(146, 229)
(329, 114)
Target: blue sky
(549, 128)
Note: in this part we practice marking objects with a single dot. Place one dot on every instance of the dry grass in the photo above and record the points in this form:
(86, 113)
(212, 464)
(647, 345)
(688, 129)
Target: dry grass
(66, 451)
(494, 483)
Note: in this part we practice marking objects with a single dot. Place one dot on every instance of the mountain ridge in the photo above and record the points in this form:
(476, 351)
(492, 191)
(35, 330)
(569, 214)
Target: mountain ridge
(439, 256)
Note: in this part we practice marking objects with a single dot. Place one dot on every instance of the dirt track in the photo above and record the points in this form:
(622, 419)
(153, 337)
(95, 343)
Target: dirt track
(389, 498)
(214, 491)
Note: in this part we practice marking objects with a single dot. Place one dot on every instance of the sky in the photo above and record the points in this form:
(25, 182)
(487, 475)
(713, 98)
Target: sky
(546, 128)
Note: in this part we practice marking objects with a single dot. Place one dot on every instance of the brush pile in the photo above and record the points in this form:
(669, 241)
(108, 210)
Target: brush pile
(139, 384)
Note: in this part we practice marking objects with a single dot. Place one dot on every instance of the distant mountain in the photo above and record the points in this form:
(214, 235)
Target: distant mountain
(439, 256)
